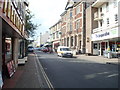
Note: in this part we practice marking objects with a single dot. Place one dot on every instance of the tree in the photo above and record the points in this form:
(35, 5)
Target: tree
(30, 27)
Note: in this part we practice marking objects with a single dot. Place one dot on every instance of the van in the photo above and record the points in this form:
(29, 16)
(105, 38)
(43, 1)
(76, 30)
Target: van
(64, 51)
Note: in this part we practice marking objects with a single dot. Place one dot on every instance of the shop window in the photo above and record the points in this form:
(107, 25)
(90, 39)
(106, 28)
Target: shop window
(95, 45)
(118, 47)
(8, 50)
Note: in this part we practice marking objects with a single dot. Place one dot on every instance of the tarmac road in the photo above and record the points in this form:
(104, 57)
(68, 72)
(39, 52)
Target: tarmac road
(77, 73)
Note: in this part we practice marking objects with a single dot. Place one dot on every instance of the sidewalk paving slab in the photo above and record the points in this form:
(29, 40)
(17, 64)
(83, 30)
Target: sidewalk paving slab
(99, 59)
(25, 76)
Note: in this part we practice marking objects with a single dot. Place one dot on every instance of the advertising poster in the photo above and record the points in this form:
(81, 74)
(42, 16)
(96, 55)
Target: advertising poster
(1, 81)
(10, 69)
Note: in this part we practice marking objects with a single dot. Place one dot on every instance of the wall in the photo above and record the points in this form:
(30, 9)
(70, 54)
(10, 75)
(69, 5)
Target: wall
(0, 44)
(90, 24)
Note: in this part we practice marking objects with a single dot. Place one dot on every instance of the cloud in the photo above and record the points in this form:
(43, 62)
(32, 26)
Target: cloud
(47, 11)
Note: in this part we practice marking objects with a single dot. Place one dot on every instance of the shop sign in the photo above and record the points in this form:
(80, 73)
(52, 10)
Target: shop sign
(11, 68)
(1, 81)
(112, 33)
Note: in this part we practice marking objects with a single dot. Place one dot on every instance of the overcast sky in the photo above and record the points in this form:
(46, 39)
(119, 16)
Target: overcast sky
(47, 12)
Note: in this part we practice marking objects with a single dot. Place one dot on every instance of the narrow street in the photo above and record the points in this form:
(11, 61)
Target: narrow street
(76, 73)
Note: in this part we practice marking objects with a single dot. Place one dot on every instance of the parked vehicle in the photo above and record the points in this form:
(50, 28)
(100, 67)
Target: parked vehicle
(64, 51)
(30, 48)
(45, 49)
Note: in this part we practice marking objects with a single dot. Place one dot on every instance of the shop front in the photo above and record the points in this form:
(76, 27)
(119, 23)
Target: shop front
(8, 64)
(9, 51)
(55, 45)
(107, 42)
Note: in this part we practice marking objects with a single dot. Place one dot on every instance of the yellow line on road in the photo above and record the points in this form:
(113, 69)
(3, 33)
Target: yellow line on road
(44, 74)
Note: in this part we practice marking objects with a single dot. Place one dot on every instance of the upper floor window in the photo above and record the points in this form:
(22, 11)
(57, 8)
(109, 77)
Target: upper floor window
(71, 14)
(57, 34)
(101, 23)
(70, 26)
(108, 21)
(77, 9)
(116, 17)
(77, 24)
(115, 3)
(107, 7)
(53, 35)
(101, 9)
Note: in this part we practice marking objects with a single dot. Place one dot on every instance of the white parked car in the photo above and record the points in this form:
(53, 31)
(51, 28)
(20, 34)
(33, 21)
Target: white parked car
(64, 51)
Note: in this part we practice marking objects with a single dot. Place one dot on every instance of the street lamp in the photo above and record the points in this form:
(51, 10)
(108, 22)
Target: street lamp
(40, 38)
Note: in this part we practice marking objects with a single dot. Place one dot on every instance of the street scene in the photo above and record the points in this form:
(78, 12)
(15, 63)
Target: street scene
(66, 44)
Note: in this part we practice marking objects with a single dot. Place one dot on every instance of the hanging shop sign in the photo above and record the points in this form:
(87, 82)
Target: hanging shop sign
(108, 34)
(1, 81)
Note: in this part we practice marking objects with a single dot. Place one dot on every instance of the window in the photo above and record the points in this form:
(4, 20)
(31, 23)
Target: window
(101, 23)
(108, 21)
(70, 26)
(107, 7)
(71, 14)
(115, 3)
(95, 45)
(77, 24)
(100, 9)
(57, 34)
(72, 41)
(77, 9)
(53, 35)
(116, 17)
(8, 44)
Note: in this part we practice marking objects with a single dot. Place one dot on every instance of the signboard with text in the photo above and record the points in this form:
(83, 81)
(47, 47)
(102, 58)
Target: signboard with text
(108, 34)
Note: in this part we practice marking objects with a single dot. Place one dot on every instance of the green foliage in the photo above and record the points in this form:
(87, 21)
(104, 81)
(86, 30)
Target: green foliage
(30, 27)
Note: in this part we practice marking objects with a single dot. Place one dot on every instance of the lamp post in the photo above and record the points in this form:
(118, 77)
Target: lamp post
(40, 38)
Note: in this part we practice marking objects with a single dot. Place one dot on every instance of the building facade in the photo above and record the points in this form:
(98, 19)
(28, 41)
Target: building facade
(106, 36)
(12, 29)
(55, 35)
(74, 25)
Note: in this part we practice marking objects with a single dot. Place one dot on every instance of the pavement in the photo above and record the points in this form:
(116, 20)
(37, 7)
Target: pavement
(26, 76)
(99, 59)
(29, 73)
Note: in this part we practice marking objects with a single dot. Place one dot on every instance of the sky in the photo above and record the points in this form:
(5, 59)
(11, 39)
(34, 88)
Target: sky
(46, 13)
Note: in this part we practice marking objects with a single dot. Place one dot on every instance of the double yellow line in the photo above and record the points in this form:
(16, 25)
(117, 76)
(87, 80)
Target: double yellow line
(44, 74)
